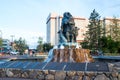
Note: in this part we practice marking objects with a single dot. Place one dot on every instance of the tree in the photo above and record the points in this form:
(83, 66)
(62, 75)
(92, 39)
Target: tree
(109, 45)
(40, 44)
(20, 45)
(1, 44)
(115, 29)
(94, 32)
(43, 47)
(47, 47)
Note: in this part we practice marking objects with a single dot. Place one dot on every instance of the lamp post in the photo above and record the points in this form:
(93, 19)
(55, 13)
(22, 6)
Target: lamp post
(12, 41)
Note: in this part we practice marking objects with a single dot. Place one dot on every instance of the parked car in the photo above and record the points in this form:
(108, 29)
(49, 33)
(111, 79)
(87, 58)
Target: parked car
(14, 52)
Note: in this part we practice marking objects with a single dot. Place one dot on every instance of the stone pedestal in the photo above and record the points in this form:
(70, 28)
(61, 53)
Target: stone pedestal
(71, 54)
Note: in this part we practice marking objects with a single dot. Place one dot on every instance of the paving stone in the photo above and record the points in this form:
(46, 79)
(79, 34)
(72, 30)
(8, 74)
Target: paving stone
(20, 64)
(7, 64)
(17, 64)
(98, 66)
(3, 65)
(75, 67)
(31, 65)
(55, 66)
(39, 65)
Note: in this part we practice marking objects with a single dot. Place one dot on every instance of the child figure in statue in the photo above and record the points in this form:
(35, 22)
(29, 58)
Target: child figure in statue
(68, 28)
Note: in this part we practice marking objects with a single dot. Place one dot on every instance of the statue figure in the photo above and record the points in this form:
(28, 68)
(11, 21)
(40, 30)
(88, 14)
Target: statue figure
(61, 37)
(75, 33)
(68, 32)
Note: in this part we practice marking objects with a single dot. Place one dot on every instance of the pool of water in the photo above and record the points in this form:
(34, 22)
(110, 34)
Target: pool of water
(31, 60)
(4, 60)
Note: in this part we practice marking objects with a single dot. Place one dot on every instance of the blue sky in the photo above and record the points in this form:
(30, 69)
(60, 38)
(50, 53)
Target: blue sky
(27, 18)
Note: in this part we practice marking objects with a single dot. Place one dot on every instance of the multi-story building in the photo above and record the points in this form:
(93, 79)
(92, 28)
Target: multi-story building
(51, 28)
(54, 25)
(108, 23)
(6, 45)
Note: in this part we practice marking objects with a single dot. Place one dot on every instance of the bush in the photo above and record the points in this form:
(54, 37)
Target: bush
(109, 45)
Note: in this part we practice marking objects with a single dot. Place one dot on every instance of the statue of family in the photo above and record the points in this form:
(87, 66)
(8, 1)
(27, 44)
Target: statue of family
(69, 31)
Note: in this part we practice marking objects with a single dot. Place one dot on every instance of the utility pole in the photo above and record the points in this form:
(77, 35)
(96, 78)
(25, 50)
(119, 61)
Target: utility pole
(12, 41)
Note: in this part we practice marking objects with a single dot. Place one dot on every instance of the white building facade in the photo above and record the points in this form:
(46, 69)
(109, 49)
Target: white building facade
(6, 45)
(51, 28)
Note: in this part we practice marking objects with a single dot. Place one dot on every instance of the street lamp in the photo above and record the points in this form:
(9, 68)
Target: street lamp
(12, 42)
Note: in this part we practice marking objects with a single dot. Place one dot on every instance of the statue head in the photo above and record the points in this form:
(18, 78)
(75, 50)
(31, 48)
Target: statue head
(67, 15)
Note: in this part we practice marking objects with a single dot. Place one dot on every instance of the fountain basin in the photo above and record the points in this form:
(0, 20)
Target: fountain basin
(106, 58)
(58, 71)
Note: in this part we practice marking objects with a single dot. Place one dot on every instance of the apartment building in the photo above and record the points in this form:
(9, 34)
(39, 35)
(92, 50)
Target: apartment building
(52, 28)
(108, 22)
(6, 45)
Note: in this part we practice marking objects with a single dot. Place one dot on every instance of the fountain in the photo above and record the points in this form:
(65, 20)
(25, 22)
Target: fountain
(66, 61)
(68, 50)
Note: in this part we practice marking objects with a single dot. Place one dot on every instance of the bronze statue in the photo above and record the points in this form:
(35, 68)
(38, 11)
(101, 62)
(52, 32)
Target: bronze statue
(75, 33)
(68, 32)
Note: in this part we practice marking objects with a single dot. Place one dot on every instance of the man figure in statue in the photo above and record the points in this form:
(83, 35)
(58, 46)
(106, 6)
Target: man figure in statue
(68, 32)
(67, 26)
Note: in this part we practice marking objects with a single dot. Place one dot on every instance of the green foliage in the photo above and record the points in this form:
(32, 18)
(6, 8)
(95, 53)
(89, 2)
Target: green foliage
(20, 45)
(47, 47)
(85, 45)
(109, 45)
(0, 42)
(94, 31)
(40, 44)
(95, 38)
(40, 40)
(43, 47)
(115, 29)
(40, 48)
